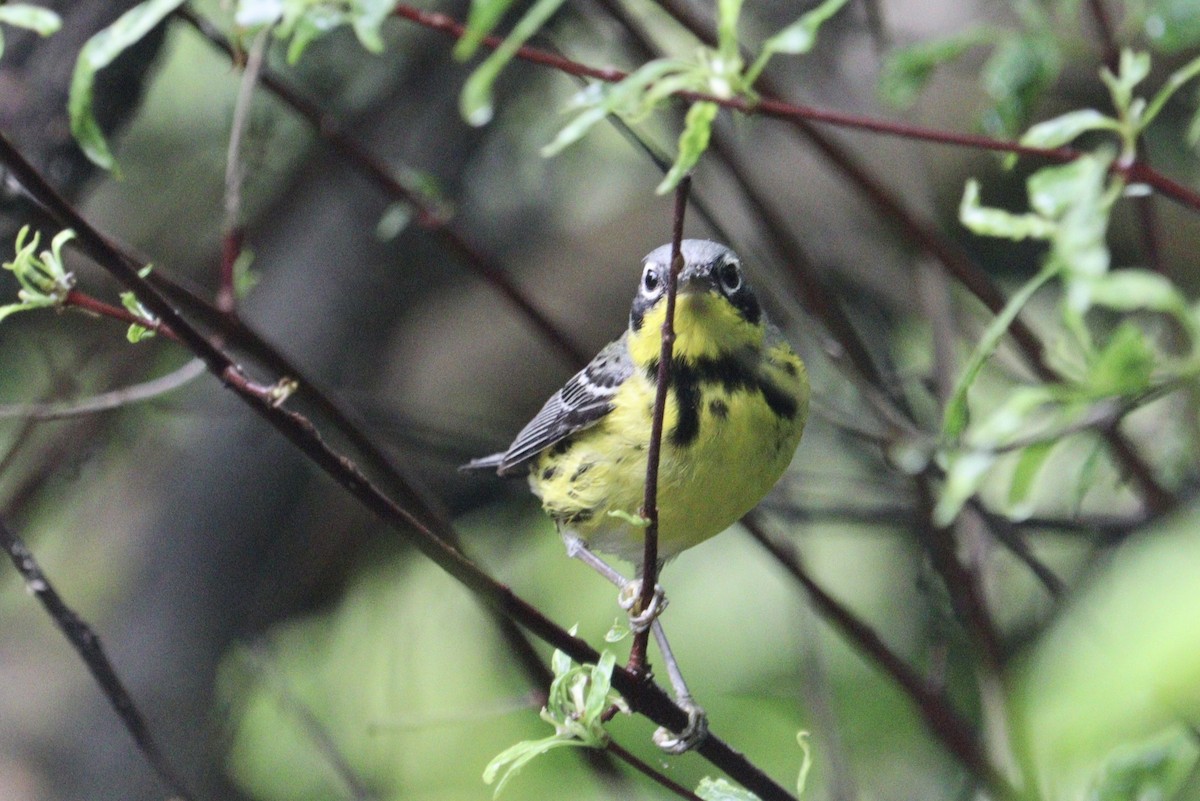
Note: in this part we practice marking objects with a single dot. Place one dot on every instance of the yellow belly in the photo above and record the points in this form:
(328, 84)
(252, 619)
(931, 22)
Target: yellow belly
(741, 449)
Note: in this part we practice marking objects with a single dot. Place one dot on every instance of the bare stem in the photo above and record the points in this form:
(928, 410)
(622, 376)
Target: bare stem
(943, 721)
(382, 175)
(85, 302)
(84, 640)
(235, 173)
(637, 652)
(779, 109)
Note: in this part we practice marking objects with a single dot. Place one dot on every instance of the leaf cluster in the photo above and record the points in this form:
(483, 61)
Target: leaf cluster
(43, 277)
(578, 699)
(720, 71)
(1070, 208)
(1025, 60)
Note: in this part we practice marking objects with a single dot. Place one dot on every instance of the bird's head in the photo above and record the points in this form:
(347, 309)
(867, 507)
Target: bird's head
(715, 310)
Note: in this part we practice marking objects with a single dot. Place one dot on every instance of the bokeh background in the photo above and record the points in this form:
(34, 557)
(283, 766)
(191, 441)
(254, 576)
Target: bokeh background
(284, 645)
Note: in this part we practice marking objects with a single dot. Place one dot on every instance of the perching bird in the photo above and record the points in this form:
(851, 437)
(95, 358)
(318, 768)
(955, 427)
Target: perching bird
(735, 411)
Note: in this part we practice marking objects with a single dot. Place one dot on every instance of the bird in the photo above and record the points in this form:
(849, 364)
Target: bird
(735, 411)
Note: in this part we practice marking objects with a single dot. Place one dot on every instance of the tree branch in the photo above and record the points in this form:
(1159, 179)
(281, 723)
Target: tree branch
(641, 639)
(85, 642)
(382, 176)
(651, 700)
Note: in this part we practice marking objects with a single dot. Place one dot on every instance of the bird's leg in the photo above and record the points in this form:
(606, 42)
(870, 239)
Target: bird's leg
(697, 726)
(630, 591)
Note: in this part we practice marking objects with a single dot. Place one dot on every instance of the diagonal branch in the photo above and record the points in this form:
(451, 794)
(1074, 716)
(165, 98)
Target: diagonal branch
(651, 700)
(769, 107)
(943, 721)
(394, 187)
(84, 640)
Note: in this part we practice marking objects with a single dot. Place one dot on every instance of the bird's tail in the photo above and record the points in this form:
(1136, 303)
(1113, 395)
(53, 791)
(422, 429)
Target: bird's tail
(492, 462)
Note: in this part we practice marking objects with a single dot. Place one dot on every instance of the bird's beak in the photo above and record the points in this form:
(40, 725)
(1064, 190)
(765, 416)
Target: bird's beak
(696, 280)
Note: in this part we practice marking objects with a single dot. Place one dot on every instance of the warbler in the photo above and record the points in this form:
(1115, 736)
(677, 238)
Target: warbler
(735, 411)
(734, 415)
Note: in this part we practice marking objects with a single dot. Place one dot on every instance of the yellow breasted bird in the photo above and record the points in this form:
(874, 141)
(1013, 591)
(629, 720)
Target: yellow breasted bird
(735, 411)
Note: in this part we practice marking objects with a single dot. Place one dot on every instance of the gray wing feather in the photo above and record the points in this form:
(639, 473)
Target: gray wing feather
(584, 401)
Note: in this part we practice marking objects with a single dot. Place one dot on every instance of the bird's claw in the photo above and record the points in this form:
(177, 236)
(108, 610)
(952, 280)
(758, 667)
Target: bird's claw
(630, 599)
(692, 735)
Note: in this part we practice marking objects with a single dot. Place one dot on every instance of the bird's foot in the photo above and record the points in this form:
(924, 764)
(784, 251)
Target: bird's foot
(692, 735)
(630, 599)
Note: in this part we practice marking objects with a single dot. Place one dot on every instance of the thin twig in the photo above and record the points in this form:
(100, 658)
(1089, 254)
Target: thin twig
(1011, 538)
(1108, 37)
(266, 664)
(647, 698)
(235, 173)
(107, 401)
(384, 177)
(769, 107)
(960, 580)
(646, 770)
(637, 653)
(955, 734)
(84, 640)
(76, 299)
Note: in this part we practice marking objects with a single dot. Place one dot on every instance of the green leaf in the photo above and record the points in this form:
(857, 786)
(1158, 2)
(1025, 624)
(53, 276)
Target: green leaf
(1013, 418)
(1134, 289)
(1053, 191)
(41, 21)
(98, 53)
(598, 689)
(1174, 81)
(483, 17)
(728, 12)
(1158, 770)
(1065, 128)
(575, 130)
(305, 23)
(907, 70)
(136, 332)
(723, 790)
(475, 101)
(1172, 25)
(1079, 196)
(806, 762)
(1029, 466)
(1016, 76)
(1125, 365)
(43, 277)
(256, 13)
(986, 221)
(244, 278)
(1132, 70)
(367, 22)
(692, 143)
(964, 475)
(955, 417)
(512, 759)
(795, 39)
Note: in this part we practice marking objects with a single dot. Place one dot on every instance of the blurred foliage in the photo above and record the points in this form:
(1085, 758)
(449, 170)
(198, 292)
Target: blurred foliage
(22, 15)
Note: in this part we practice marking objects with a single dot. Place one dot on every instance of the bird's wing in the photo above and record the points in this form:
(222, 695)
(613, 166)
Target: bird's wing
(585, 399)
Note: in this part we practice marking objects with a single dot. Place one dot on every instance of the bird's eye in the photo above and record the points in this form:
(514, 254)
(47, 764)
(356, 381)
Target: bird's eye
(650, 280)
(730, 277)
